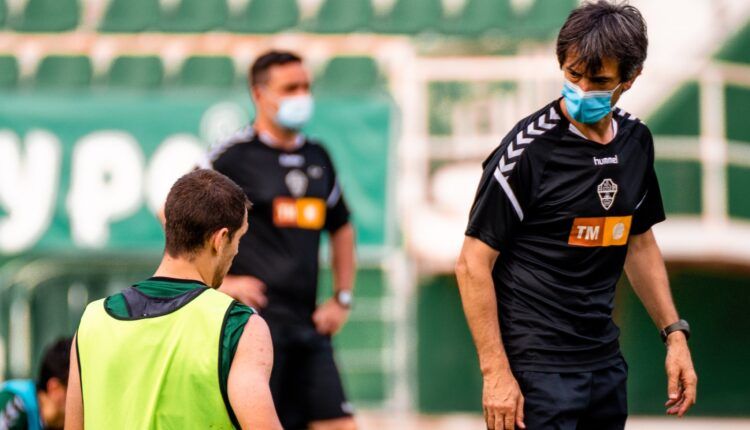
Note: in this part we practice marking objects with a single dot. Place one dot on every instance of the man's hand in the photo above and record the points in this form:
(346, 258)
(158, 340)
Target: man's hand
(681, 378)
(330, 317)
(246, 289)
(502, 402)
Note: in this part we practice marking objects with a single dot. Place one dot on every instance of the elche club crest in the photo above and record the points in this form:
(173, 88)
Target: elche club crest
(607, 191)
(296, 182)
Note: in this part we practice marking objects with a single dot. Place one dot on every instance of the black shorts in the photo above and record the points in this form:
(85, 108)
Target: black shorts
(575, 401)
(305, 382)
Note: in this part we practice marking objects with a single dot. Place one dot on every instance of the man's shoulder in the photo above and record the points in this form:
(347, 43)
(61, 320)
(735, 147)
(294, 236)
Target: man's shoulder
(629, 122)
(316, 146)
(227, 146)
(12, 411)
(634, 129)
(528, 139)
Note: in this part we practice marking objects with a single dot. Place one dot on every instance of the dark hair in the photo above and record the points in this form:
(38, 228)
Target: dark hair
(601, 29)
(261, 66)
(199, 204)
(55, 363)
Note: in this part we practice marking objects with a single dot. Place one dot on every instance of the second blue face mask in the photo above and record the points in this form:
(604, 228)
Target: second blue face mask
(294, 112)
(587, 107)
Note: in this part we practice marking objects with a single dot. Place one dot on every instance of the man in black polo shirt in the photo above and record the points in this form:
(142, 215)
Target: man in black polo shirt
(565, 201)
(296, 196)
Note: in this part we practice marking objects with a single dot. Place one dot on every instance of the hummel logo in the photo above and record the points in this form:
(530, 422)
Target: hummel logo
(605, 160)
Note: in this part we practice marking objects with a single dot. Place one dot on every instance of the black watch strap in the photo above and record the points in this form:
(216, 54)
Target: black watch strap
(680, 325)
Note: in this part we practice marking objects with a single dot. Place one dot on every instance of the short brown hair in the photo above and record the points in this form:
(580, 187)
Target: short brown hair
(261, 66)
(600, 29)
(199, 204)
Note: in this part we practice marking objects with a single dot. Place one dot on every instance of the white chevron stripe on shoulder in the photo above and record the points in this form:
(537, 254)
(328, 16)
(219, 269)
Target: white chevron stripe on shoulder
(533, 130)
(215, 151)
(553, 115)
(545, 122)
(514, 152)
(505, 167)
(625, 115)
(509, 192)
(521, 140)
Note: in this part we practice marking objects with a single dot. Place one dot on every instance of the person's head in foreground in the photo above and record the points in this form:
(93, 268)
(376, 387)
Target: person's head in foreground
(25, 404)
(206, 215)
(172, 351)
(280, 86)
(53, 383)
(601, 49)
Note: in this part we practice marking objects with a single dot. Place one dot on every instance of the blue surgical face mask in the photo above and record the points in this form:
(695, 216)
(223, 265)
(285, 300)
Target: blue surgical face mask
(587, 107)
(294, 112)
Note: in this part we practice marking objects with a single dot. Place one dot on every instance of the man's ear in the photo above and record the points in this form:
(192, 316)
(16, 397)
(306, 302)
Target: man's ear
(219, 240)
(629, 83)
(255, 91)
(55, 385)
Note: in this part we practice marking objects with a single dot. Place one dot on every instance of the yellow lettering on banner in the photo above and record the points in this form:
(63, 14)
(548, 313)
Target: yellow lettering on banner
(600, 231)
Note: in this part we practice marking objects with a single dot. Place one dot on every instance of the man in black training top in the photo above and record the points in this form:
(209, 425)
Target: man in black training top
(565, 201)
(293, 185)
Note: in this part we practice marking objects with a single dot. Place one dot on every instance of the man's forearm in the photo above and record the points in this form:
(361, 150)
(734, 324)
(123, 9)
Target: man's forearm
(480, 306)
(645, 268)
(343, 261)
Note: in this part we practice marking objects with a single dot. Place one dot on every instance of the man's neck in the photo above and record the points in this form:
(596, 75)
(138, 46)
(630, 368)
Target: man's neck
(599, 132)
(281, 138)
(51, 418)
(182, 268)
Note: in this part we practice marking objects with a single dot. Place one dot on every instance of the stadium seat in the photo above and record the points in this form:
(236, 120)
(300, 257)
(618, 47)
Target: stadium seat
(343, 16)
(411, 17)
(192, 16)
(59, 71)
(350, 75)
(737, 49)
(737, 99)
(131, 16)
(8, 71)
(543, 19)
(680, 114)
(205, 71)
(681, 185)
(480, 16)
(737, 179)
(265, 16)
(3, 12)
(49, 16)
(136, 72)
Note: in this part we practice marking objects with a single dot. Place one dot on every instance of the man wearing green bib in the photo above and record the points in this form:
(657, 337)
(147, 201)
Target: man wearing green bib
(172, 352)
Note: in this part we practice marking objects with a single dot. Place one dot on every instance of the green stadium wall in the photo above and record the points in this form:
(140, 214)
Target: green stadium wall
(713, 301)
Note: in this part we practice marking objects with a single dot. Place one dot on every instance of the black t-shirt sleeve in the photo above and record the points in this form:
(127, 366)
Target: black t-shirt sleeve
(502, 197)
(650, 209)
(221, 163)
(337, 211)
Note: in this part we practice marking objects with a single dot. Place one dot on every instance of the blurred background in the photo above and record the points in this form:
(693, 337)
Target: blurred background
(104, 103)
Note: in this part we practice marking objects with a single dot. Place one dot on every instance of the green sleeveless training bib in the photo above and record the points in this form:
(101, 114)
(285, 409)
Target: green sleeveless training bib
(154, 370)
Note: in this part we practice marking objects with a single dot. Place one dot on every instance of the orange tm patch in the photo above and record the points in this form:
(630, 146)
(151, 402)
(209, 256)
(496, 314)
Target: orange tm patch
(600, 231)
(308, 213)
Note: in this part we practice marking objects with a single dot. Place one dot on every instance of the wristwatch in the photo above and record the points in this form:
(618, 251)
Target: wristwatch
(680, 325)
(344, 298)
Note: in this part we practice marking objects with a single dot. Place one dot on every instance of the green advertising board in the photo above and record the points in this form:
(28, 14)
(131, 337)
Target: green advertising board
(88, 169)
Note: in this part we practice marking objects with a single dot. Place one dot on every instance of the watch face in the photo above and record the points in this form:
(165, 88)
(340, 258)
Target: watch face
(344, 297)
